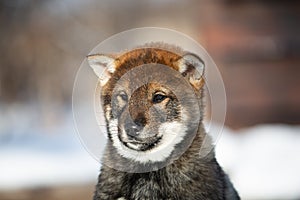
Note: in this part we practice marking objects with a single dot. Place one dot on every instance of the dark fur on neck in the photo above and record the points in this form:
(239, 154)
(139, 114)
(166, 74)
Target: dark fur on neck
(189, 177)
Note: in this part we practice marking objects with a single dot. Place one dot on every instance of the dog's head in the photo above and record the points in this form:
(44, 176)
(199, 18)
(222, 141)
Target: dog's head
(145, 116)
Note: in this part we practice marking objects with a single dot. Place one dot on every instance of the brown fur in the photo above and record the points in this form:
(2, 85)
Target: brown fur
(190, 176)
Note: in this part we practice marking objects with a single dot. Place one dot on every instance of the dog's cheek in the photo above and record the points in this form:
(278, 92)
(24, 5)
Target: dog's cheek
(173, 110)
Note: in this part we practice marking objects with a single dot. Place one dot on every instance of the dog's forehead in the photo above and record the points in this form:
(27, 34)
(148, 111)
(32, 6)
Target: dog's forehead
(131, 60)
(142, 56)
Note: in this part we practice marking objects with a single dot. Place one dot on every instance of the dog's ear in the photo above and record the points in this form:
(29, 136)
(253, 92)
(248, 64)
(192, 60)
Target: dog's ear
(103, 65)
(192, 67)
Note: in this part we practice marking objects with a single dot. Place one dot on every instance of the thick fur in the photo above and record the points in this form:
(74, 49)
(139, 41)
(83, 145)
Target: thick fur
(188, 177)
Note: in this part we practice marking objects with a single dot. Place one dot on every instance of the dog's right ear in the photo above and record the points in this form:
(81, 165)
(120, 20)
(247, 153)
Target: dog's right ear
(103, 65)
(192, 67)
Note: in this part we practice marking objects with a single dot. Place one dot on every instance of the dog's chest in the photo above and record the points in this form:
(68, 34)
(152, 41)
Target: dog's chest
(159, 185)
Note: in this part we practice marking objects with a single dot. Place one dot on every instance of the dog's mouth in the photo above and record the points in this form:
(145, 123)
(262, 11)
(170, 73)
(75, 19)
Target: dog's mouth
(144, 145)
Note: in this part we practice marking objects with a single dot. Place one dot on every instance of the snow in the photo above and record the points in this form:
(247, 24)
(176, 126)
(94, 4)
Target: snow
(263, 161)
(35, 164)
(32, 155)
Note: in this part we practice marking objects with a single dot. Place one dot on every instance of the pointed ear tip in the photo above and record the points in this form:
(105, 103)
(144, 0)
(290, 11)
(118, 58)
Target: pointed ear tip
(92, 59)
(92, 56)
(189, 54)
(99, 56)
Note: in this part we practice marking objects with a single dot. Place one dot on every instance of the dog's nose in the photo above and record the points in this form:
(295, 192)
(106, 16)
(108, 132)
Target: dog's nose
(133, 131)
(140, 120)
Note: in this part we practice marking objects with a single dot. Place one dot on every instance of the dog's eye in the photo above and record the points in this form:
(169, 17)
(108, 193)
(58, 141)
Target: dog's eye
(157, 98)
(123, 96)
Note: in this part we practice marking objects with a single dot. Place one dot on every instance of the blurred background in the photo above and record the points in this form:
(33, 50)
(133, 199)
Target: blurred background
(255, 44)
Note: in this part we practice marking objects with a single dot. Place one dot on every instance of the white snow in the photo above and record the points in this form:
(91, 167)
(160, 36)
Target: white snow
(26, 169)
(37, 160)
(32, 155)
(263, 161)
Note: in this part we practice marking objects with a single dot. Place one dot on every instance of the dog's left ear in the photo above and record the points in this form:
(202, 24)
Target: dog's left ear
(103, 65)
(192, 67)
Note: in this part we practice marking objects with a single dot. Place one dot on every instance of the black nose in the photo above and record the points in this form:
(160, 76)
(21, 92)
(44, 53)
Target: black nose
(140, 120)
(133, 131)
